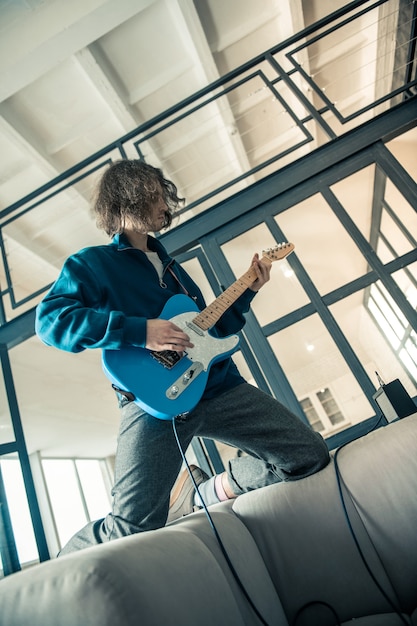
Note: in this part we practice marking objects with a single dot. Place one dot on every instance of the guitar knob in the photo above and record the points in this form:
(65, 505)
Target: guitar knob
(174, 390)
(186, 378)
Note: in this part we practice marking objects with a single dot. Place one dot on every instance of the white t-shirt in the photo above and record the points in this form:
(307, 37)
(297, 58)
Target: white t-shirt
(156, 262)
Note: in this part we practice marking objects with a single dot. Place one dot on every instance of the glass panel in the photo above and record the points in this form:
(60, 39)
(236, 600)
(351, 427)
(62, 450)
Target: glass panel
(64, 493)
(408, 355)
(283, 293)
(33, 261)
(6, 427)
(406, 279)
(329, 404)
(355, 193)
(369, 337)
(384, 251)
(382, 214)
(66, 403)
(19, 511)
(94, 487)
(243, 367)
(402, 235)
(193, 267)
(387, 313)
(312, 361)
(312, 415)
(404, 149)
(327, 252)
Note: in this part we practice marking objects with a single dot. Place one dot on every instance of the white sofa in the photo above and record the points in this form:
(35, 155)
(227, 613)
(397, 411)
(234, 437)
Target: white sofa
(290, 544)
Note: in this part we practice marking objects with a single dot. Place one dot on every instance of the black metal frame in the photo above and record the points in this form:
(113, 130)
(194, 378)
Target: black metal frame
(258, 202)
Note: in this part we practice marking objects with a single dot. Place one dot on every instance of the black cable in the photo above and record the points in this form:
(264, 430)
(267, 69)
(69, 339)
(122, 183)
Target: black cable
(316, 603)
(339, 480)
(352, 532)
(215, 531)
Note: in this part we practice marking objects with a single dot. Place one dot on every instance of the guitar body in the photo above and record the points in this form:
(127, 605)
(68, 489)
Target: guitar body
(166, 384)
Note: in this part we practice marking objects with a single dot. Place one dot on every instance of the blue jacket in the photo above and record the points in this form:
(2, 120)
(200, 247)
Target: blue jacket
(104, 295)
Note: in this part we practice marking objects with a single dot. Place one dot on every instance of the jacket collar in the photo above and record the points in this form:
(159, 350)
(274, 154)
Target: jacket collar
(121, 242)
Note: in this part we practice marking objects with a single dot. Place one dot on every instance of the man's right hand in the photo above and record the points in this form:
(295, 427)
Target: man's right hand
(164, 335)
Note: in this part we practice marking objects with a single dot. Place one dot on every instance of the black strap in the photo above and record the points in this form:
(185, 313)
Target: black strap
(126, 394)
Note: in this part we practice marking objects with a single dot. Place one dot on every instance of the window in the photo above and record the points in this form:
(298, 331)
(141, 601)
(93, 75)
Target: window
(312, 415)
(19, 510)
(323, 412)
(329, 405)
(394, 326)
(78, 493)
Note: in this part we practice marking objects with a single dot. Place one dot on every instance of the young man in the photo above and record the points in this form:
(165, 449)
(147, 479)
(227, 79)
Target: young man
(110, 297)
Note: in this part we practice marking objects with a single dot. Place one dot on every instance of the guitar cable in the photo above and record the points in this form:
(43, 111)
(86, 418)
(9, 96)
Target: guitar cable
(215, 531)
(339, 480)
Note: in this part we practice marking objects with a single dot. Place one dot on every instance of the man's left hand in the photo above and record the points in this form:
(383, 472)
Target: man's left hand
(263, 272)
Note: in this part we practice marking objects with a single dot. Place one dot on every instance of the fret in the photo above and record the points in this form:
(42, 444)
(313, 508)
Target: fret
(211, 314)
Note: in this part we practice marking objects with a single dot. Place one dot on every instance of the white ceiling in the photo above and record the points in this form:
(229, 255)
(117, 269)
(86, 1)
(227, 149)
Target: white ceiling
(74, 77)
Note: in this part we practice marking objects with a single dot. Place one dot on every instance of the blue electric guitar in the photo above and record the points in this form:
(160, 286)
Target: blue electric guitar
(168, 383)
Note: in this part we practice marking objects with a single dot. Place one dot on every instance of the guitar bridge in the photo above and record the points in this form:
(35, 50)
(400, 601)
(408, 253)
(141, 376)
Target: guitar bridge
(167, 358)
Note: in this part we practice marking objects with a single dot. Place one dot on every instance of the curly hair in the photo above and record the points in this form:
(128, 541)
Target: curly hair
(129, 189)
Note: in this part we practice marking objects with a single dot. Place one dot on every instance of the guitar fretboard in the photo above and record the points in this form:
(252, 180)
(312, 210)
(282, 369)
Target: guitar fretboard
(211, 314)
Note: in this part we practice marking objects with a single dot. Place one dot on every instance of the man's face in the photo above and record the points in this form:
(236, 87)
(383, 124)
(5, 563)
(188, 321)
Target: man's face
(157, 217)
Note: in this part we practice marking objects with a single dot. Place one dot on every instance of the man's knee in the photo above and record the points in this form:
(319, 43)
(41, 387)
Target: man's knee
(321, 457)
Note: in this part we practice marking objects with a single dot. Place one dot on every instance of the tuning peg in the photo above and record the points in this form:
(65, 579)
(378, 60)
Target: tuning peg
(280, 251)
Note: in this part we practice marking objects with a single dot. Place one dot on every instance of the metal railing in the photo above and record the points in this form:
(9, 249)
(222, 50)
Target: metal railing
(263, 115)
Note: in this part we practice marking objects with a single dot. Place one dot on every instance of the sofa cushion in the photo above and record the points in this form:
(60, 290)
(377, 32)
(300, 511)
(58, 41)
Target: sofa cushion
(384, 493)
(302, 531)
(171, 576)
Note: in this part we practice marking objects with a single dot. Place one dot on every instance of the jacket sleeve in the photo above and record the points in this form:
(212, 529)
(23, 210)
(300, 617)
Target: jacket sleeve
(72, 315)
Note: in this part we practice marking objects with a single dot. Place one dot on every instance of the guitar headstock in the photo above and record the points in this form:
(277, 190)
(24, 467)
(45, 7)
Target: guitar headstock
(280, 251)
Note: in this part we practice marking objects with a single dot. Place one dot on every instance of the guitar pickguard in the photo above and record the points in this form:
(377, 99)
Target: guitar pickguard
(207, 349)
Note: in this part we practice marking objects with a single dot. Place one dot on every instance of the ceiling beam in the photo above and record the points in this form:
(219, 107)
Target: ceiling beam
(188, 22)
(52, 31)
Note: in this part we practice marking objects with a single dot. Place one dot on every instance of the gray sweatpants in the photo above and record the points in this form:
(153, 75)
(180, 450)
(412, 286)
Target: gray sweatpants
(278, 444)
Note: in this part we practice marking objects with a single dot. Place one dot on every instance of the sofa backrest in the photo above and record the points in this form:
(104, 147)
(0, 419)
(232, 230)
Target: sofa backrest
(302, 531)
(174, 576)
(290, 545)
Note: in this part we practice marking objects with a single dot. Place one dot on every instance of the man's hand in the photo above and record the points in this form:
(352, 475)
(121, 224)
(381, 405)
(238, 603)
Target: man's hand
(263, 271)
(164, 335)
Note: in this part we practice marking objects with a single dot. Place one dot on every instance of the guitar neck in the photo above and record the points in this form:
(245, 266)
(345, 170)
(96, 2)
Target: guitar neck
(211, 314)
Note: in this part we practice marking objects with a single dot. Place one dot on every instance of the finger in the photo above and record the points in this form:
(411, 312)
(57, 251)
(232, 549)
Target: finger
(180, 337)
(181, 343)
